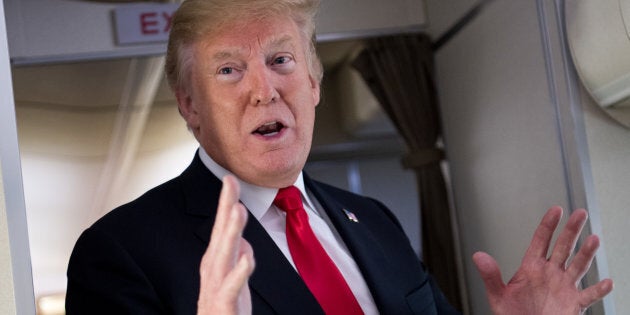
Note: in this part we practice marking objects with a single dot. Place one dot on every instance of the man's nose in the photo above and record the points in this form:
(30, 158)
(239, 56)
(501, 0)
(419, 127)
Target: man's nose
(263, 90)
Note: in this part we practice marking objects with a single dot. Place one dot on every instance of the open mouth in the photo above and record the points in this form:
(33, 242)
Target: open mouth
(269, 129)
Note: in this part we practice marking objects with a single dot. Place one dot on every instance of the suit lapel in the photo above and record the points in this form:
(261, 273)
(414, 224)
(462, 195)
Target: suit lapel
(274, 280)
(362, 244)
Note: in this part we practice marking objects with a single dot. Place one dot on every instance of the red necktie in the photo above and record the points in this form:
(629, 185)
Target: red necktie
(311, 260)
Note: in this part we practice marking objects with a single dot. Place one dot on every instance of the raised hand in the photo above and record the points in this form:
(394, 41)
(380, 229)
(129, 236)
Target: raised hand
(229, 259)
(546, 285)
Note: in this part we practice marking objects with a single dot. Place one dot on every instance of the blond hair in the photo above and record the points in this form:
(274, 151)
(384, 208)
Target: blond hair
(197, 18)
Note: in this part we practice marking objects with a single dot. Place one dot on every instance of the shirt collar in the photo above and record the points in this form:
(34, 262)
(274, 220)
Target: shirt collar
(257, 199)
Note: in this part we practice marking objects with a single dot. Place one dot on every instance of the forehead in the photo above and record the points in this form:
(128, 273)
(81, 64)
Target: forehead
(267, 33)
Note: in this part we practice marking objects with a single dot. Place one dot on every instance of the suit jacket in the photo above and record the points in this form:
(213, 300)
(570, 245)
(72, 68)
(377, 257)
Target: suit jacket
(143, 258)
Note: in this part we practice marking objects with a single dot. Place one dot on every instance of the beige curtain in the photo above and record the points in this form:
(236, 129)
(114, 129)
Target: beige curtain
(399, 71)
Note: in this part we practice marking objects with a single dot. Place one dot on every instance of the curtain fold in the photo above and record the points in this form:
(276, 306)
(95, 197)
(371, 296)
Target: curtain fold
(399, 70)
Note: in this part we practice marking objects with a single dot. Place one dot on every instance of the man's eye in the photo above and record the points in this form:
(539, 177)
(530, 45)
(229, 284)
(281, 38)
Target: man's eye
(226, 70)
(282, 60)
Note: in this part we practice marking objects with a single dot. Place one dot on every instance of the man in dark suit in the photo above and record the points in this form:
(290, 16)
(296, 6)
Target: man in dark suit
(144, 257)
(216, 240)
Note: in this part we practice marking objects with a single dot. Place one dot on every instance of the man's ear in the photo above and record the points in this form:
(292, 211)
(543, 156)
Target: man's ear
(187, 108)
(315, 89)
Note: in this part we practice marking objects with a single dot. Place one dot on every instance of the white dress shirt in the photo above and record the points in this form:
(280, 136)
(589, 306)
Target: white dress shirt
(259, 201)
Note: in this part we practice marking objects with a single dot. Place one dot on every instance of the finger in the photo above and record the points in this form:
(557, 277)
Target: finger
(223, 285)
(583, 259)
(217, 258)
(490, 274)
(234, 232)
(237, 279)
(568, 238)
(229, 196)
(595, 293)
(245, 300)
(227, 246)
(245, 249)
(539, 245)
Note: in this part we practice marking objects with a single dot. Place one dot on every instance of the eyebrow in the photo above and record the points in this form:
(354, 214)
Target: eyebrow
(281, 41)
(225, 54)
(273, 43)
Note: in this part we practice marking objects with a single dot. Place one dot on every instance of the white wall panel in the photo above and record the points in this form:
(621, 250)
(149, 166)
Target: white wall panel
(340, 16)
(609, 149)
(16, 288)
(7, 297)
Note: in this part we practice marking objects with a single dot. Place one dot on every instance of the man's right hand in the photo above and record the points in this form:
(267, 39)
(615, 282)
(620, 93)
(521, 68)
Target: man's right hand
(229, 259)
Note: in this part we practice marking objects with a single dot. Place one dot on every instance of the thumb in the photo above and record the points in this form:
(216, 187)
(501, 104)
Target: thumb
(490, 273)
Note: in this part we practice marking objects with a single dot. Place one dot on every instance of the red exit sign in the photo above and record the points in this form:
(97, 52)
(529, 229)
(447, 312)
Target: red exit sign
(143, 23)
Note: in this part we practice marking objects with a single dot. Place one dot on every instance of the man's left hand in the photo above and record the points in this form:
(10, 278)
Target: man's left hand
(546, 285)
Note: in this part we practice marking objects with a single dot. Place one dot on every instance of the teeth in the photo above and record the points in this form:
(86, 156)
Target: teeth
(269, 129)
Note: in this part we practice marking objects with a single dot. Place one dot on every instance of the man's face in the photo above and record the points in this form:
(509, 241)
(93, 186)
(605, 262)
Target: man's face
(251, 100)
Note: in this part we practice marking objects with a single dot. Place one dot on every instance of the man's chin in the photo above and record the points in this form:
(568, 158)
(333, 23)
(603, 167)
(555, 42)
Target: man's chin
(272, 174)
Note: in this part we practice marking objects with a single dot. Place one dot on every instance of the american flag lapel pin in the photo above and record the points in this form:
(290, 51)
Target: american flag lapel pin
(351, 216)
